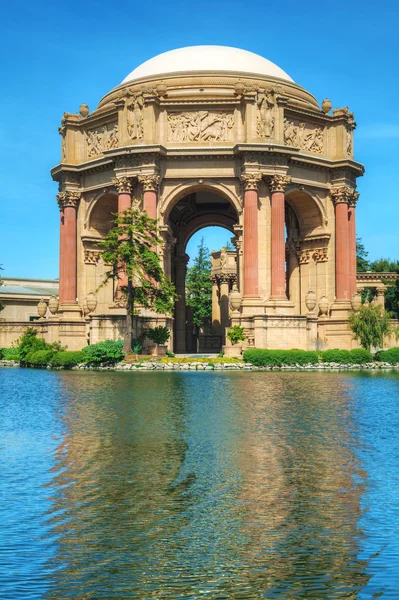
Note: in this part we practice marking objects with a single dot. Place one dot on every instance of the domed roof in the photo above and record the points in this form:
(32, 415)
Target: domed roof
(207, 58)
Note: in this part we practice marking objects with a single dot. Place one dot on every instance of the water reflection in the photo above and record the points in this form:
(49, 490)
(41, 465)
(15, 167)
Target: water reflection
(235, 485)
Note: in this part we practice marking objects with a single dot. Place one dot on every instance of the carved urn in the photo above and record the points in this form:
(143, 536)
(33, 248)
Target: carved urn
(53, 304)
(356, 301)
(324, 305)
(83, 110)
(91, 302)
(310, 300)
(326, 105)
(41, 308)
(235, 299)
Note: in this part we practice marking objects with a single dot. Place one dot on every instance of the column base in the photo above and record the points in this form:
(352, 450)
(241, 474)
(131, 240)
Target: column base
(341, 309)
(251, 305)
(70, 311)
(279, 306)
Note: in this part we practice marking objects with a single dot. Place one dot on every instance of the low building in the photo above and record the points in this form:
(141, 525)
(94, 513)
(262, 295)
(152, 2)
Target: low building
(20, 297)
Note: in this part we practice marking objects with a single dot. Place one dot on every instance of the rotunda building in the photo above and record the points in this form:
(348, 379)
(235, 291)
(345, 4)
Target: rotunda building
(212, 135)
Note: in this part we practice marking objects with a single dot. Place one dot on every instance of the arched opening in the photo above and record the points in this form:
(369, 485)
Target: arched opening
(102, 215)
(192, 214)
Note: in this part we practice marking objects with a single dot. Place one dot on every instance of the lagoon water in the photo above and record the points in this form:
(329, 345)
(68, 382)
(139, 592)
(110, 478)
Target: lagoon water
(199, 485)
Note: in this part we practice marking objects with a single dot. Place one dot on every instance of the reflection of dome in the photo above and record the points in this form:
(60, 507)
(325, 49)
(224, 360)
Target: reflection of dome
(207, 59)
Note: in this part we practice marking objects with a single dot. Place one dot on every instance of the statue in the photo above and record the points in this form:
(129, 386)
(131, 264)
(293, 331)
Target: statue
(134, 105)
(265, 104)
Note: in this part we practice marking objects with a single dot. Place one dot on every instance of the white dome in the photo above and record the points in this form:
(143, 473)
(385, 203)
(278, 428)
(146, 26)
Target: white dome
(207, 58)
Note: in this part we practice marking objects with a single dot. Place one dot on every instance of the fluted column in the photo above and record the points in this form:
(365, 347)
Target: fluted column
(352, 243)
(150, 184)
(68, 202)
(124, 187)
(341, 197)
(277, 184)
(215, 304)
(251, 182)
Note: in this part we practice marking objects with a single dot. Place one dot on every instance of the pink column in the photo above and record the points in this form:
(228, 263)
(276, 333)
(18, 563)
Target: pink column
(342, 251)
(150, 185)
(251, 181)
(124, 187)
(278, 184)
(352, 243)
(68, 247)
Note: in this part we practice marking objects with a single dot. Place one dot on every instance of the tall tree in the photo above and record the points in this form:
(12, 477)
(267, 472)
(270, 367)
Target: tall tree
(362, 264)
(129, 250)
(199, 286)
(392, 289)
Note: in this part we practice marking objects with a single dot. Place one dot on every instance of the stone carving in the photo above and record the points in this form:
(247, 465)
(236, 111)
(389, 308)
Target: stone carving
(101, 139)
(278, 183)
(200, 126)
(265, 119)
(91, 257)
(349, 140)
(320, 255)
(251, 180)
(123, 184)
(137, 204)
(68, 199)
(134, 105)
(62, 132)
(304, 135)
(343, 194)
(286, 322)
(303, 257)
(150, 183)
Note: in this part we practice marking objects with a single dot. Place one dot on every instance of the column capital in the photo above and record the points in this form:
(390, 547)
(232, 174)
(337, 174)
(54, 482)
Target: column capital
(278, 183)
(68, 198)
(123, 184)
(251, 180)
(353, 200)
(150, 183)
(342, 194)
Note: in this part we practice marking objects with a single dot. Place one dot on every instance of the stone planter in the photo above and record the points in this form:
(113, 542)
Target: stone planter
(233, 351)
(324, 305)
(41, 309)
(159, 350)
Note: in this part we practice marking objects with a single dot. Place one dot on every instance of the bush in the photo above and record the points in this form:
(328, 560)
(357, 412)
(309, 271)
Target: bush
(67, 359)
(11, 354)
(159, 335)
(370, 325)
(29, 342)
(39, 358)
(137, 346)
(356, 356)
(236, 334)
(109, 352)
(262, 358)
(2, 351)
(389, 356)
(360, 356)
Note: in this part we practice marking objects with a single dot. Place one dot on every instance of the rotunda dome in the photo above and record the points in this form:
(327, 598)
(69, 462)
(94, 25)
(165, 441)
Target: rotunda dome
(205, 59)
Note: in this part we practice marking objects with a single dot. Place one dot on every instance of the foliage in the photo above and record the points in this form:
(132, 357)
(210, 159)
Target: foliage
(130, 250)
(390, 356)
(236, 334)
(170, 354)
(362, 264)
(370, 325)
(356, 356)
(137, 346)
(29, 343)
(159, 334)
(199, 287)
(109, 352)
(228, 246)
(39, 358)
(262, 358)
(2, 351)
(11, 354)
(68, 359)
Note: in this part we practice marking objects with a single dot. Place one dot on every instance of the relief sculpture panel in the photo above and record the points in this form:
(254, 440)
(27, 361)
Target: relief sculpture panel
(200, 126)
(307, 136)
(103, 138)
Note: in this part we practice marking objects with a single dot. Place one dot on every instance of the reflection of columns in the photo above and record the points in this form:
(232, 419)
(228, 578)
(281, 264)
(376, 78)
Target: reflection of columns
(150, 185)
(180, 307)
(215, 304)
(224, 301)
(352, 243)
(251, 181)
(341, 198)
(278, 184)
(124, 187)
(293, 281)
(68, 203)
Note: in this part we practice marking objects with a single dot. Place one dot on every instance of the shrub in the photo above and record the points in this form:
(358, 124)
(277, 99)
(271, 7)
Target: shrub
(2, 351)
(348, 357)
(262, 358)
(159, 335)
(370, 325)
(137, 346)
(39, 358)
(360, 355)
(108, 351)
(11, 353)
(236, 334)
(389, 356)
(67, 359)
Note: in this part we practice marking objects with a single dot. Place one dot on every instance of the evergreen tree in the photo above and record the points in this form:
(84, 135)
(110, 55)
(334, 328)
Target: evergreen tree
(128, 249)
(199, 287)
(362, 264)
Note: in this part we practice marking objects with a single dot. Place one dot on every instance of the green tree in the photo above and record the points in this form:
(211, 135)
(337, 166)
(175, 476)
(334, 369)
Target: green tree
(370, 325)
(199, 287)
(392, 288)
(129, 250)
(362, 264)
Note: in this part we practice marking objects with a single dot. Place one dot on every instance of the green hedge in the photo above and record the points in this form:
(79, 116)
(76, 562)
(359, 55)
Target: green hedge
(109, 352)
(2, 350)
(68, 359)
(389, 356)
(276, 358)
(39, 358)
(11, 353)
(347, 357)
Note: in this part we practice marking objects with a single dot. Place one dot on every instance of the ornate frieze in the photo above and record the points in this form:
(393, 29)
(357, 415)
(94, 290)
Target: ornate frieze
(265, 102)
(320, 255)
(303, 256)
(251, 180)
(302, 135)
(285, 322)
(200, 126)
(69, 177)
(68, 199)
(150, 183)
(278, 183)
(91, 257)
(123, 185)
(100, 139)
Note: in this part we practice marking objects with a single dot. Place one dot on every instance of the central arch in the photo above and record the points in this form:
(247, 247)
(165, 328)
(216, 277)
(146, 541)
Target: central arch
(193, 209)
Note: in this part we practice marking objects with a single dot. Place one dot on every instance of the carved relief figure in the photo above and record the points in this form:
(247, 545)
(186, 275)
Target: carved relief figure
(134, 105)
(102, 139)
(349, 148)
(306, 136)
(314, 140)
(265, 103)
(200, 126)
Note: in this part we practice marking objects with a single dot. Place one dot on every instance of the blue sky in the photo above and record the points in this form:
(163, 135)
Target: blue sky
(58, 55)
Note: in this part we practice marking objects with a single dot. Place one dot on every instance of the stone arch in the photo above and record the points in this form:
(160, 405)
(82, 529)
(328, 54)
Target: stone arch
(185, 188)
(309, 210)
(100, 213)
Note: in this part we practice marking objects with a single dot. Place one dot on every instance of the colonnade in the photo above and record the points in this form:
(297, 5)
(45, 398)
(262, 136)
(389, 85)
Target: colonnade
(345, 199)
